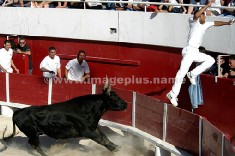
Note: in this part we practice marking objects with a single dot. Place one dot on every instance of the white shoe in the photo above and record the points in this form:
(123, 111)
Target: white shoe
(172, 99)
(191, 78)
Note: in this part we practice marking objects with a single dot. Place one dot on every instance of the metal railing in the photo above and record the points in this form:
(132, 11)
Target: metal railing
(136, 2)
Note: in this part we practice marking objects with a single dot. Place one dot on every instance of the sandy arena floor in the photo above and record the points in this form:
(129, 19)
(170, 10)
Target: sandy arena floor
(130, 145)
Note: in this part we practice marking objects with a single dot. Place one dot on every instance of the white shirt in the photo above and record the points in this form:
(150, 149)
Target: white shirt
(77, 71)
(217, 3)
(202, 2)
(50, 64)
(174, 2)
(197, 32)
(5, 59)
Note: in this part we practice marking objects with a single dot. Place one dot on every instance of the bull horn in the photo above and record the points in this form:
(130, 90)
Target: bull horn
(107, 86)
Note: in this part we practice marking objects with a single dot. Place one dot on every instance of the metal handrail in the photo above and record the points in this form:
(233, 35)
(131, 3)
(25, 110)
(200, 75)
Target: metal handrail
(135, 2)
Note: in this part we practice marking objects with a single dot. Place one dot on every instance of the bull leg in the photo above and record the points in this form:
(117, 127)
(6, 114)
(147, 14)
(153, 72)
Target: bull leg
(101, 138)
(34, 142)
(31, 132)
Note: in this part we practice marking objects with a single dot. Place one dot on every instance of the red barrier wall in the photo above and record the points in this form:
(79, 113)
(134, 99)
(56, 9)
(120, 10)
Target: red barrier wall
(3, 87)
(211, 139)
(21, 62)
(182, 126)
(2, 39)
(183, 129)
(31, 90)
(64, 90)
(229, 149)
(138, 61)
(149, 115)
(142, 64)
(218, 105)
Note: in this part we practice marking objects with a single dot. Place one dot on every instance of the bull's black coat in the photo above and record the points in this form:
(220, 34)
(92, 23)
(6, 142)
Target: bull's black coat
(77, 117)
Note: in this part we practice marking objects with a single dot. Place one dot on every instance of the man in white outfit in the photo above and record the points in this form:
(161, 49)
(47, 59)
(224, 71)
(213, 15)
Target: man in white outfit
(77, 69)
(6, 61)
(191, 53)
(50, 65)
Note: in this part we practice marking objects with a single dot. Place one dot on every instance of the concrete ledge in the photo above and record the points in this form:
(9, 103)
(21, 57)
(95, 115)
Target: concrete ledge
(158, 142)
(15, 105)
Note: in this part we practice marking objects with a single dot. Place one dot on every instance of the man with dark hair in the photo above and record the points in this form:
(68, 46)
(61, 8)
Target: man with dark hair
(232, 66)
(50, 65)
(23, 48)
(6, 61)
(232, 57)
(190, 53)
(77, 69)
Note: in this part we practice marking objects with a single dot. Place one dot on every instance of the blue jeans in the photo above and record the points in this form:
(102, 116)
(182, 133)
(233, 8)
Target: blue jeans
(111, 6)
(30, 71)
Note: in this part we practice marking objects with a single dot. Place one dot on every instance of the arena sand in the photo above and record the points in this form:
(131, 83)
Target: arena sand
(130, 145)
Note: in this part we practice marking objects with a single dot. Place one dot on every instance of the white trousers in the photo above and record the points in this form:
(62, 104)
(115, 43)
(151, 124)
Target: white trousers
(191, 55)
(9, 70)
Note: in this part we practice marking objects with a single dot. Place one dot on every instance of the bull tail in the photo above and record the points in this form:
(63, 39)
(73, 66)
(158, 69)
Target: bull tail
(12, 135)
(5, 139)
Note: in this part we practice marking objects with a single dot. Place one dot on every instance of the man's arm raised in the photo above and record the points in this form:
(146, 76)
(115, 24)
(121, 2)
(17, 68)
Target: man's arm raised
(221, 23)
(202, 10)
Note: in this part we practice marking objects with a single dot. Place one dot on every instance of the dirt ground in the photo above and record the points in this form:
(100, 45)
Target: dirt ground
(130, 145)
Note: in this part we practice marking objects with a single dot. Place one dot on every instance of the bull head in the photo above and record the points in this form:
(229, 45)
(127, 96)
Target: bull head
(115, 102)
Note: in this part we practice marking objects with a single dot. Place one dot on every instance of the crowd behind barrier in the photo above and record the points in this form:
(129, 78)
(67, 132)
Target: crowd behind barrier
(218, 8)
(173, 125)
(223, 67)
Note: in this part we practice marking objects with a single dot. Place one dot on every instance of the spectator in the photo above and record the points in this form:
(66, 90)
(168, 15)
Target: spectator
(133, 6)
(6, 61)
(94, 5)
(55, 4)
(43, 4)
(13, 44)
(50, 65)
(177, 9)
(229, 12)
(171, 8)
(24, 3)
(232, 66)
(75, 5)
(23, 48)
(214, 11)
(77, 69)
(110, 6)
(125, 6)
(9, 3)
(190, 53)
(162, 8)
(192, 9)
(15, 3)
(224, 67)
(61, 5)
(152, 7)
(139, 7)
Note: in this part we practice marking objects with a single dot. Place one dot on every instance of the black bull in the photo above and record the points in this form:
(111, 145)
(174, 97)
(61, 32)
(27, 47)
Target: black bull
(77, 117)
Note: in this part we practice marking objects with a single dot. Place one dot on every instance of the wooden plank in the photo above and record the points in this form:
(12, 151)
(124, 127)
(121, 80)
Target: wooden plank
(182, 129)
(102, 60)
